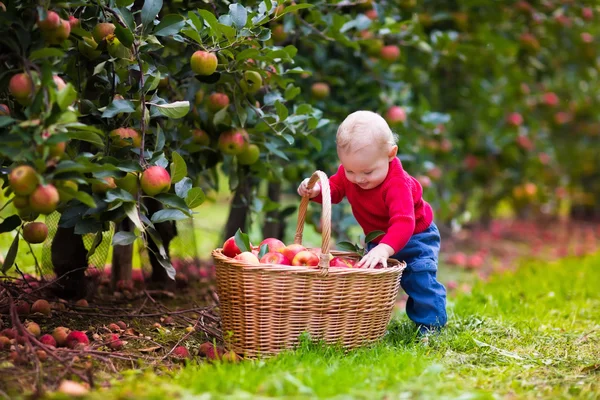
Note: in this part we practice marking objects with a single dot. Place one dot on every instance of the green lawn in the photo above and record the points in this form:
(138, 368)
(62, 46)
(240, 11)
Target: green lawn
(534, 334)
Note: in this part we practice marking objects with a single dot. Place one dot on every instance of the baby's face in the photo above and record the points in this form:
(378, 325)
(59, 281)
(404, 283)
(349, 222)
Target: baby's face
(368, 166)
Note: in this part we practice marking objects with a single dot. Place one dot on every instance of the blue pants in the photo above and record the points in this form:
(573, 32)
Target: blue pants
(426, 304)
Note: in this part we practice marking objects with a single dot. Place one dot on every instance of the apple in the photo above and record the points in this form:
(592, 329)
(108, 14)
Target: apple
(342, 262)
(249, 156)
(389, 53)
(274, 245)
(21, 87)
(395, 115)
(23, 180)
(74, 22)
(252, 82)
(586, 37)
(371, 14)
(305, 258)
(129, 183)
(320, 90)
(20, 202)
(60, 34)
(562, 117)
(550, 99)
(247, 257)
(203, 63)
(199, 97)
(87, 46)
(51, 22)
(35, 232)
(200, 137)
(291, 250)
(587, 13)
(4, 110)
(233, 142)
(217, 101)
(230, 248)
(524, 142)
(273, 257)
(65, 197)
(514, 119)
(424, 180)
(108, 184)
(120, 137)
(102, 30)
(44, 199)
(529, 42)
(116, 49)
(471, 162)
(155, 180)
(279, 34)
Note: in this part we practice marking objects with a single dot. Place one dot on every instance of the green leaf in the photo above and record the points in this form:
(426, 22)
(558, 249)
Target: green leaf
(291, 92)
(195, 197)
(347, 246)
(282, 111)
(99, 68)
(178, 109)
(264, 249)
(242, 241)
(6, 121)
(46, 52)
(168, 215)
(132, 213)
(11, 255)
(239, 14)
(192, 34)
(10, 224)
(212, 22)
(183, 187)
(178, 168)
(88, 225)
(149, 11)
(173, 201)
(246, 54)
(117, 107)
(90, 137)
(86, 199)
(166, 264)
(124, 35)
(222, 117)
(295, 7)
(170, 25)
(66, 96)
(119, 195)
(123, 238)
(373, 235)
(124, 3)
(97, 240)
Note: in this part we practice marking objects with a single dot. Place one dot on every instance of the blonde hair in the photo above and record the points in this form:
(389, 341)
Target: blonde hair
(363, 128)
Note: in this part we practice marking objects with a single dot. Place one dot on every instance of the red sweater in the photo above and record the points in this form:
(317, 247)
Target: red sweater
(395, 207)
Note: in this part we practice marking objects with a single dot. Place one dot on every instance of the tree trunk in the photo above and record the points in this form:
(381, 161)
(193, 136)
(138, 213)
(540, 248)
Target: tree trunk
(121, 263)
(274, 225)
(238, 210)
(69, 259)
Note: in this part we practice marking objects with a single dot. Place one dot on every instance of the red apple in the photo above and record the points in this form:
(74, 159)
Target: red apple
(550, 99)
(35, 232)
(274, 258)
(21, 87)
(233, 142)
(230, 248)
(60, 34)
(279, 34)
(274, 245)
(217, 101)
(342, 262)
(320, 90)
(4, 110)
(102, 30)
(74, 21)
(23, 180)
(306, 258)
(390, 53)
(587, 13)
(107, 184)
(514, 119)
(44, 199)
(203, 63)
(247, 257)
(155, 180)
(291, 250)
(395, 115)
(51, 22)
(120, 137)
(200, 137)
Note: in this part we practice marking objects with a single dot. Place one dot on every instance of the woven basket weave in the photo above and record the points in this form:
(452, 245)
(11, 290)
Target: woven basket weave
(265, 308)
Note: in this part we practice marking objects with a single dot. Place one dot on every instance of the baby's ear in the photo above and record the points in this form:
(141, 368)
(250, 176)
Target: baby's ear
(392, 153)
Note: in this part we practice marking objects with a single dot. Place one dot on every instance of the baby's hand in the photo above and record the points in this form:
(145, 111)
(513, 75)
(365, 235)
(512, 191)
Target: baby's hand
(313, 192)
(378, 254)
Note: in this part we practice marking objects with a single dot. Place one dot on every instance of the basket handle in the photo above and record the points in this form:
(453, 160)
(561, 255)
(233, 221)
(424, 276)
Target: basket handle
(325, 218)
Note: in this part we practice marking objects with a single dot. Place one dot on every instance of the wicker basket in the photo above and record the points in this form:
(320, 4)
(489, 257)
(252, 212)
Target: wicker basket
(265, 308)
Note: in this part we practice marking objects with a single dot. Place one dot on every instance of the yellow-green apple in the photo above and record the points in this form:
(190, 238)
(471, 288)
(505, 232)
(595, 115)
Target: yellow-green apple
(274, 258)
(35, 232)
(199, 97)
(390, 53)
(200, 137)
(23, 180)
(233, 142)
(103, 187)
(247, 257)
(21, 87)
(274, 245)
(51, 22)
(69, 185)
(291, 250)
(305, 258)
(44, 199)
(203, 63)
(251, 82)
(217, 101)
(250, 155)
(20, 202)
(88, 47)
(122, 137)
(155, 180)
(342, 262)
(230, 248)
(320, 90)
(129, 183)
(4, 110)
(279, 34)
(395, 115)
(102, 30)
(116, 49)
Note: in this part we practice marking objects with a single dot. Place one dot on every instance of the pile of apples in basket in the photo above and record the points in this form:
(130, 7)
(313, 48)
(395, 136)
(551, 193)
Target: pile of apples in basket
(274, 251)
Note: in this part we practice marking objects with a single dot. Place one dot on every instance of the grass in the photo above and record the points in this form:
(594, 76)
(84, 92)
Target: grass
(531, 334)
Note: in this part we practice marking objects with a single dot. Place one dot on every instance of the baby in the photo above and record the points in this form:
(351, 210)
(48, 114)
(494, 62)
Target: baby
(384, 197)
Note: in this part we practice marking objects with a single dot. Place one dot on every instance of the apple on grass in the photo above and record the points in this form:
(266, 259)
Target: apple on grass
(291, 250)
(274, 258)
(305, 258)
